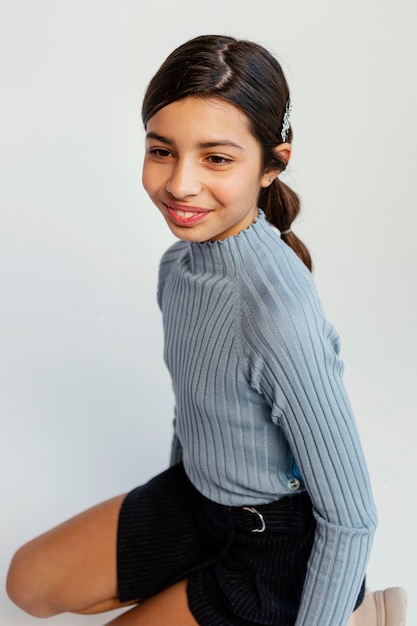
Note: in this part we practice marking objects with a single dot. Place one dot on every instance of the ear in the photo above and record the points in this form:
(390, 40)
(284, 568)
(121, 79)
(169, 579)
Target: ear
(283, 152)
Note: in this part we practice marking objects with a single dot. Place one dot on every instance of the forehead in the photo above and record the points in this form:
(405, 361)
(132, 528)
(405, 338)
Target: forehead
(201, 117)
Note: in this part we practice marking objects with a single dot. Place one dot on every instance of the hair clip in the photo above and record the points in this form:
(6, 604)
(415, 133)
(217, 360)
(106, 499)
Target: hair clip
(286, 121)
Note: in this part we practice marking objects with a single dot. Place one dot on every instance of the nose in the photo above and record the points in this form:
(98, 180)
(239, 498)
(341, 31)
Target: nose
(184, 180)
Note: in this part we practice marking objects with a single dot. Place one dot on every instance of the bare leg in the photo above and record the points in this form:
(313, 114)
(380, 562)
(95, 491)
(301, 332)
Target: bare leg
(168, 607)
(71, 568)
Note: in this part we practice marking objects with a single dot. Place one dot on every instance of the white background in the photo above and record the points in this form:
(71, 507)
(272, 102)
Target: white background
(85, 400)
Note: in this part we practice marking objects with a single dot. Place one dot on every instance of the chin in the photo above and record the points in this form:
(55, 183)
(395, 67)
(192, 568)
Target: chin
(186, 234)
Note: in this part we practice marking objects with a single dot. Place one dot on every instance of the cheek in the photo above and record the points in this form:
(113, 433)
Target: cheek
(243, 188)
(149, 179)
(231, 187)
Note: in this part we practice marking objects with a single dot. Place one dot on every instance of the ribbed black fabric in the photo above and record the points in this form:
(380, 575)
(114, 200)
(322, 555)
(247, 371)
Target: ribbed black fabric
(158, 540)
(259, 577)
(168, 532)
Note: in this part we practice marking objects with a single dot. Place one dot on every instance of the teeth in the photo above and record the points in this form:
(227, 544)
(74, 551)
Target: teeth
(185, 214)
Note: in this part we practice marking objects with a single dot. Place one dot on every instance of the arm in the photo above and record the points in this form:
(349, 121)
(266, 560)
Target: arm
(319, 426)
(300, 373)
(165, 267)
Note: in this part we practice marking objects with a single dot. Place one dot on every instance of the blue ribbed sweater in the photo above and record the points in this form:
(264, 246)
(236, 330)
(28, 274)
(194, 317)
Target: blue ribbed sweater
(259, 396)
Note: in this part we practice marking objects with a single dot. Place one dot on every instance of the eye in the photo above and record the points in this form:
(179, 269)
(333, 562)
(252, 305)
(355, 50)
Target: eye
(216, 159)
(162, 153)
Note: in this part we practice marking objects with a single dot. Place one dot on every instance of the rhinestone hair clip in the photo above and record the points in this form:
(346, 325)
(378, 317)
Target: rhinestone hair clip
(286, 121)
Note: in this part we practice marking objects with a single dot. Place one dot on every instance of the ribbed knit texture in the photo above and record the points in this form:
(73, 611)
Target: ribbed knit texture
(258, 386)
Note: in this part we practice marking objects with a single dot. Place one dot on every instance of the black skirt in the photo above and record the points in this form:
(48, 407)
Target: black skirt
(244, 565)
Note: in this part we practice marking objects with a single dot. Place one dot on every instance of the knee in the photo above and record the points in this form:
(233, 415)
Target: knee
(25, 584)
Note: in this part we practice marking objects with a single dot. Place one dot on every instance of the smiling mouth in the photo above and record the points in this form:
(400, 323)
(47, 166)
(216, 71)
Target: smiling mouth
(184, 217)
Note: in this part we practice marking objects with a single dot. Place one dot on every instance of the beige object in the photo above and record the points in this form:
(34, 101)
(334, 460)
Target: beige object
(381, 608)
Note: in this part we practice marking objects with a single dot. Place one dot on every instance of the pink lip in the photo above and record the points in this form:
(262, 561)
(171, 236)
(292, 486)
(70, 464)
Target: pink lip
(198, 216)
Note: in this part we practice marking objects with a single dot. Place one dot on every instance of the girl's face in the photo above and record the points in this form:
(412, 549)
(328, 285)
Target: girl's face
(203, 168)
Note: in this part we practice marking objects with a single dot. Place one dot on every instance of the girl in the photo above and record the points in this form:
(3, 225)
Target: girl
(265, 515)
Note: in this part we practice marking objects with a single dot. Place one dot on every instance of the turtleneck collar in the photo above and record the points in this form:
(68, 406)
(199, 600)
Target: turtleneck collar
(222, 256)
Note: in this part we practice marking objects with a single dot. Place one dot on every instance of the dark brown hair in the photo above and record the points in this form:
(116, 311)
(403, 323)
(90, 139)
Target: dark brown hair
(249, 77)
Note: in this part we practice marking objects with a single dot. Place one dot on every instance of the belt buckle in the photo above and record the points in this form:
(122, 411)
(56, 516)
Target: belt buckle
(252, 509)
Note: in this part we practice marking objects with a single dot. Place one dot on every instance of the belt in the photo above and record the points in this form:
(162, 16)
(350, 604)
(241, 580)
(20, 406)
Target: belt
(287, 515)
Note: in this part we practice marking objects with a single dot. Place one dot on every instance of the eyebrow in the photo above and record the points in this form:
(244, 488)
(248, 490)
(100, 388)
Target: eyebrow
(203, 145)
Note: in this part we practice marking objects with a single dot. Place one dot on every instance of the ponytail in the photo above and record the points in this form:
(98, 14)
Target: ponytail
(281, 206)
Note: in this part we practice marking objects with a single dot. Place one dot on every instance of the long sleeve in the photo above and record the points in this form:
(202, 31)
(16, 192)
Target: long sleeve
(164, 269)
(293, 354)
